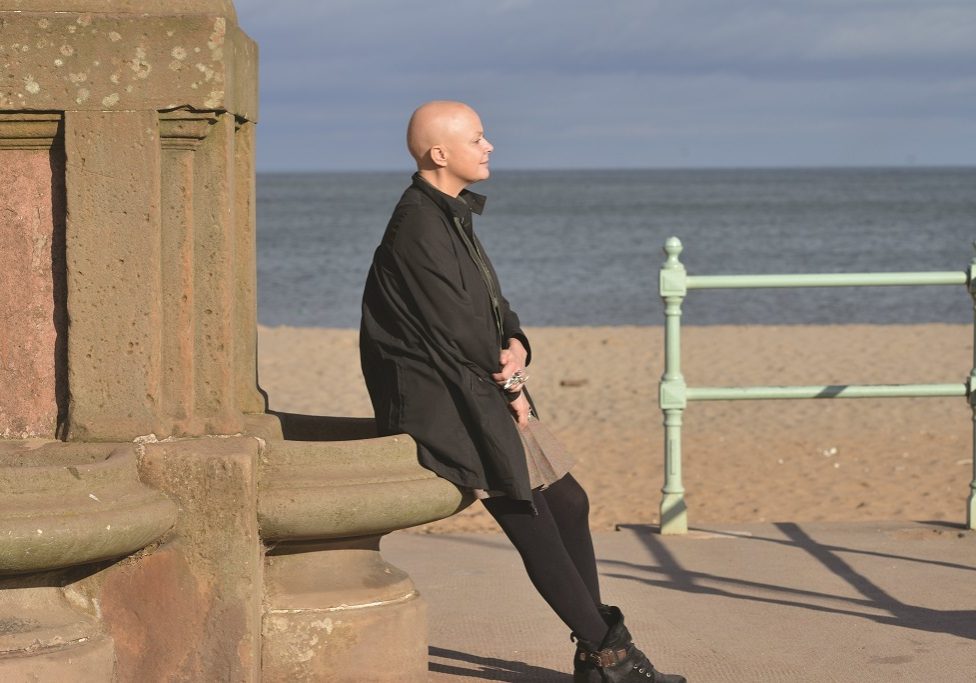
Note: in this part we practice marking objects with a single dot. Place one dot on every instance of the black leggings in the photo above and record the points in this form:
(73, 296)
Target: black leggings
(557, 550)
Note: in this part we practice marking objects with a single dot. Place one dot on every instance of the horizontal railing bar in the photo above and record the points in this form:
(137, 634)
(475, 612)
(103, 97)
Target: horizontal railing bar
(826, 391)
(826, 280)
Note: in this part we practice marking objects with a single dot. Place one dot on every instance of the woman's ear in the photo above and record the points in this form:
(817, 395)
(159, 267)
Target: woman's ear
(438, 155)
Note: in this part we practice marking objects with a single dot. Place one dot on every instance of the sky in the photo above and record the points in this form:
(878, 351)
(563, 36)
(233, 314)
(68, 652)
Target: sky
(563, 84)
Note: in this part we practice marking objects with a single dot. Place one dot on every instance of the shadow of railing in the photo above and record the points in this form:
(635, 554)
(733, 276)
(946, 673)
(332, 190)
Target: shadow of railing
(669, 573)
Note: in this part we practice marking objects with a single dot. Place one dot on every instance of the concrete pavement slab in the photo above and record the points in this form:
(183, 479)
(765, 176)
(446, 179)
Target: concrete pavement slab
(764, 602)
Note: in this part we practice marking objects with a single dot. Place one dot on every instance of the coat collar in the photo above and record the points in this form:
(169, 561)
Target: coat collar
(455, 206)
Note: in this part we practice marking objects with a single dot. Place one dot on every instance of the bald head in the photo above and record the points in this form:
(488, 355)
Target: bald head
(447, 141)
(433, 123)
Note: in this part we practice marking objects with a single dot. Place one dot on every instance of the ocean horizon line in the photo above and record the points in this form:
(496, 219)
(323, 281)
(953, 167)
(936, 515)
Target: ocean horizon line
(684, 325)
(618, 169)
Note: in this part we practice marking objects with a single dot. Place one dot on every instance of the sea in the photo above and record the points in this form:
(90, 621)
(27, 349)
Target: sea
(585, 247)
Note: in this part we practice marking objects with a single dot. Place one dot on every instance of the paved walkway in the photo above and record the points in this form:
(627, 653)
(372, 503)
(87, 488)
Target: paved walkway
(766, 602)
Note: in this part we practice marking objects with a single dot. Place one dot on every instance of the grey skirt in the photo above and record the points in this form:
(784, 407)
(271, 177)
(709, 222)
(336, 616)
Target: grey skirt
(546, 457)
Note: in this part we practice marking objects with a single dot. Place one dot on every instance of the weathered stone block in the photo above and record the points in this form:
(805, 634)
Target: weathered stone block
(113, 260)
(43, 637)
(157, 610)
(101, 55)
(336, 611)
(215, 557)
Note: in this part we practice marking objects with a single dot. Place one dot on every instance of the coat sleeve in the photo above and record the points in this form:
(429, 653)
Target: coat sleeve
(512, 328)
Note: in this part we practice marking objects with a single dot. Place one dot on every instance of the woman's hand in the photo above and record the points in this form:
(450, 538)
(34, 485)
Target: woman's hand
(510, 361)
(520, 410)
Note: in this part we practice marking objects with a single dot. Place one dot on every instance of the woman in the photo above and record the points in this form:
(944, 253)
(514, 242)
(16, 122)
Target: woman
(445, 360)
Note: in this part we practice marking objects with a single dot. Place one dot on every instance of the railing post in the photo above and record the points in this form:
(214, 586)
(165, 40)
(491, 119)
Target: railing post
(971, 501)
(673, 396)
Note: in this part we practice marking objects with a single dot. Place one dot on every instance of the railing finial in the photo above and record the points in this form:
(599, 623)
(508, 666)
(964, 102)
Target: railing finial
(673, 248)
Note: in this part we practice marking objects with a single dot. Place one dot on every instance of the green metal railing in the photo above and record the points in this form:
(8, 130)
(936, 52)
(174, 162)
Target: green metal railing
(675, 393)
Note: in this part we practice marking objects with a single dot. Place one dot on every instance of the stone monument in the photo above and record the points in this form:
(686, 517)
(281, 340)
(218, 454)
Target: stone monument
(156, 521)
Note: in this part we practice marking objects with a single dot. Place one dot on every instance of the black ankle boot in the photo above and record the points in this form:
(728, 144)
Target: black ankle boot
(616, 659)
(585, 671)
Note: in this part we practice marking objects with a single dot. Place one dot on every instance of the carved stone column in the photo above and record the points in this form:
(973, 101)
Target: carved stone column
(181, 134)
(130, 85)
(119, 312)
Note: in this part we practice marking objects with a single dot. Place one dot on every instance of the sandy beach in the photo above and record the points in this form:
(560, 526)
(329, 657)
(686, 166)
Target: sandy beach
(744, 461)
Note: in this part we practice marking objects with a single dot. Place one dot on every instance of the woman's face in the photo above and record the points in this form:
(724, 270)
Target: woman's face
(467, 148)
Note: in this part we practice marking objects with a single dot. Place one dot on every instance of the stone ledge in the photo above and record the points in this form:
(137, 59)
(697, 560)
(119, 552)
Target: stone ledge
(69, 504)
(337, 489)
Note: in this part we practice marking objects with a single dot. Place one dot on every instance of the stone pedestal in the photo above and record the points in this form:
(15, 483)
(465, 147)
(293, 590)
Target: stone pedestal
(49, 640)
(334, 609)
(338, 612)
(66, 510)
(156, 523)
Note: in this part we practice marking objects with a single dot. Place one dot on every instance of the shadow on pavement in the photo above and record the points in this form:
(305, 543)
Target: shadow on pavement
(956, 622)
(674, 576)
(492, 669)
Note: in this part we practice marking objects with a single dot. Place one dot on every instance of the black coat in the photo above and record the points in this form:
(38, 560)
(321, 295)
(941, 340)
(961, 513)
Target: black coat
(433, 324)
